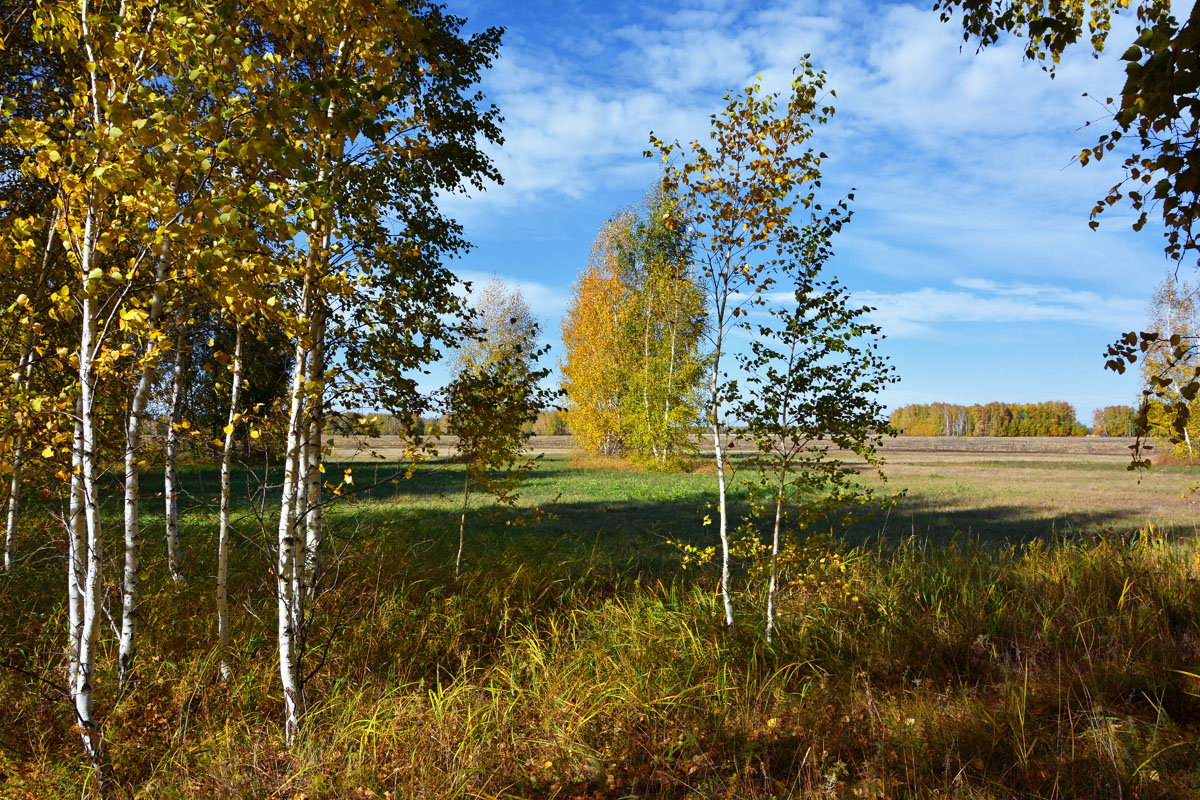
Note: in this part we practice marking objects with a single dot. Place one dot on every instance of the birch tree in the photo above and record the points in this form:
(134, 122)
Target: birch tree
(392, 118)
(737, 194)
(595, 351)
(494, 398)
(665, 320)
(632, 365)
(89, 170)
(814, 373)
(1169, 411)
(130, 154)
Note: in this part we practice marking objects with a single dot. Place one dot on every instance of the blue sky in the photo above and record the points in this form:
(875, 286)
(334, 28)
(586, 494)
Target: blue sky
(970, 232)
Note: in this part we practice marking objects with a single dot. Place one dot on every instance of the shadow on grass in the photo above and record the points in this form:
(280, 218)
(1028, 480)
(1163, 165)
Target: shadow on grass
(568, 509)
(927, 520)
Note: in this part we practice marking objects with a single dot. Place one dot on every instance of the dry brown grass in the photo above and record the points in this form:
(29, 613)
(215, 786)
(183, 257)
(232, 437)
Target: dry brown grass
(1037, 487)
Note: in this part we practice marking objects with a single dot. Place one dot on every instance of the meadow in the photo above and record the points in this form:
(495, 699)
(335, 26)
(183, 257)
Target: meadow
(1023, 623)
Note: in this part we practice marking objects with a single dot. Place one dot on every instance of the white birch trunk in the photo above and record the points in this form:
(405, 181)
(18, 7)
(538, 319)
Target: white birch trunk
(300, 528)
(89, 602)
(170, 473)
(223, 523)
(786, 453)
(76, 548)
(292, 696)
(308, 486)
(774, 560)
(293, 691)
(719, 452)
(18, 459)
(130, 595)
(314, 530)
(289, 625)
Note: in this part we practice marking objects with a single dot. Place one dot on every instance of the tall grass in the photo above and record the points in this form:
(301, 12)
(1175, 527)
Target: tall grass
(960, 670)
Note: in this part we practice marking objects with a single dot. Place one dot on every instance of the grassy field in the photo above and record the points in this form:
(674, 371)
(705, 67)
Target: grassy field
(1003, 632)
(992, 488)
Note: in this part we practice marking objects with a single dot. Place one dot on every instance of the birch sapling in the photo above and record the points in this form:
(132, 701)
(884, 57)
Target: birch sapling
(494, 397)
(736, 196)
(814, 374)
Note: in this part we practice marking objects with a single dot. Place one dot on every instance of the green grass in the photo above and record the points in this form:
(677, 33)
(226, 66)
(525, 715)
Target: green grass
(965, 645)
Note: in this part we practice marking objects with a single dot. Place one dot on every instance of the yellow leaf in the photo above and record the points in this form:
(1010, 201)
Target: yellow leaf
(48, 452)
(228, 429)
(254, 434)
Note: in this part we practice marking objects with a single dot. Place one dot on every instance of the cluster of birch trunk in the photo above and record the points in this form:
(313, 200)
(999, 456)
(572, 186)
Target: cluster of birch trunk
(270, 165)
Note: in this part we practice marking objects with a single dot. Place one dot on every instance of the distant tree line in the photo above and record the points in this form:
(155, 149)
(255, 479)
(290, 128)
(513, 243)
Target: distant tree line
(1053, 418)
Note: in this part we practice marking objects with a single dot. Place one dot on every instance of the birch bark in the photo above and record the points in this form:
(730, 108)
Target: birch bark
(784, 466)
(83, 674)
(20, 377)
(130, 594)
(314, 521)
(293, 690)
(719, 454)
(292, 562)
(293, 698)
(170, 473)
(223, 522)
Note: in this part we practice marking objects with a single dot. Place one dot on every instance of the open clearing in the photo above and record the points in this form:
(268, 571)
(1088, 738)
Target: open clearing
(995, 488)
(951, 655)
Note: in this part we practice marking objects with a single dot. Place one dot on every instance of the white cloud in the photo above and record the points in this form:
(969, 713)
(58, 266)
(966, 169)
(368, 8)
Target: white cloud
(910, 103)
(916, 313)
